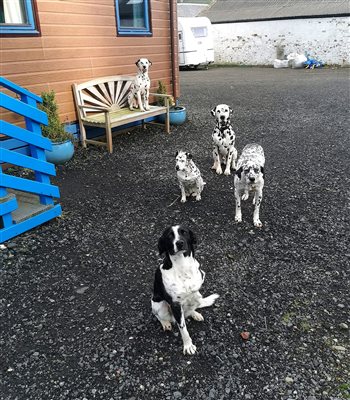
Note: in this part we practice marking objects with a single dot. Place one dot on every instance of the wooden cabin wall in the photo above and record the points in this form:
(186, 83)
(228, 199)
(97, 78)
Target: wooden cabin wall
(79, 42)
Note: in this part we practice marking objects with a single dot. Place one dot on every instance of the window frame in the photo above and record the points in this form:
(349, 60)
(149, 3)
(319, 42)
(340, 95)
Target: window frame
(146, 31)
(32, 28)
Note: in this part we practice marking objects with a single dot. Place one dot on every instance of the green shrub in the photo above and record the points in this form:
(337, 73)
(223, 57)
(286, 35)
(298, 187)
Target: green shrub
(162, 90)
(54, 130)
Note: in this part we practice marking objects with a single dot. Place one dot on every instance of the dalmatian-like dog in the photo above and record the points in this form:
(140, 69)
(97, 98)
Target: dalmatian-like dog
(139, 89)
(189, 176)
(224, 137)
(249, 177)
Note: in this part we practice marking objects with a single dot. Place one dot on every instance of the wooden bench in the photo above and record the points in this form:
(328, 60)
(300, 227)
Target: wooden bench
(103, 103)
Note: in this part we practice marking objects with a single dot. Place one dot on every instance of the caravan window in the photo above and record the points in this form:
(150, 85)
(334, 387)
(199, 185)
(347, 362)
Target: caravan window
(199, 31)
(17, 17)
(133, 17)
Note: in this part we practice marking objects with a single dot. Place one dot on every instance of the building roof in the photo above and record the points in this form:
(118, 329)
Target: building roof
(223, 11)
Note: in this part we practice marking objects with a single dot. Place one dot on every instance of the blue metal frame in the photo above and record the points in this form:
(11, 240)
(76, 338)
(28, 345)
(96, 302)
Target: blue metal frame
(146, 31)
(22, 29)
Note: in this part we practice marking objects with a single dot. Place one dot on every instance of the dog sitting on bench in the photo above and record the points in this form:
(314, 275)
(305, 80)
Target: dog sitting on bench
(139, 90)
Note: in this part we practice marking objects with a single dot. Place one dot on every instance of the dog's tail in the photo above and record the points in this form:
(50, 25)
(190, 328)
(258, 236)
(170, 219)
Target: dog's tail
(208, 301)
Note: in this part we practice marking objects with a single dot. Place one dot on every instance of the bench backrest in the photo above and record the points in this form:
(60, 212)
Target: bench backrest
(107, 93)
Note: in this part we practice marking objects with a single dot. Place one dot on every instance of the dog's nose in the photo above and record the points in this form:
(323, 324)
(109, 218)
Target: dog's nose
(222, 117)
(180, 244)
(252, 179)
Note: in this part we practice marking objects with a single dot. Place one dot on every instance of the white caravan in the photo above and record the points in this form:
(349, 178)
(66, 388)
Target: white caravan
(196, 45)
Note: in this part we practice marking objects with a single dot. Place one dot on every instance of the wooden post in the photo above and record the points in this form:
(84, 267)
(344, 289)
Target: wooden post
(109, 132)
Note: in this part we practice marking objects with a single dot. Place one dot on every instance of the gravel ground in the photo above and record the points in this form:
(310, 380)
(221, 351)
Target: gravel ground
(75, 293)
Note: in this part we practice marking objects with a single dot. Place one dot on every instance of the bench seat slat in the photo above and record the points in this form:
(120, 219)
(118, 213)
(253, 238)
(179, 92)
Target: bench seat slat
(124, 115)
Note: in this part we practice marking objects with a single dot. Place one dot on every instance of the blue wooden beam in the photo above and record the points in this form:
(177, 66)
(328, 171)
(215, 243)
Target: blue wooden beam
(24, 135)
(27, 185)
(18, 89)
(24, 161)
(8, 206)
(17, 229)
(22, 108)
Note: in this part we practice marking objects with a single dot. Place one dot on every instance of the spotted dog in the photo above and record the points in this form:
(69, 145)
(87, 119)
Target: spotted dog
(249, 177)
(224, 150)
(177, 283)
(139, 89)
(188, 175)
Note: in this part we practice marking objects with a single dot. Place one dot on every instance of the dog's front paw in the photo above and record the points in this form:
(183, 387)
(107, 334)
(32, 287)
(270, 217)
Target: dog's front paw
(189, 348)
(198, 197)
(219, 170)
(147, 108)
(238, 218)
(183, 200)
(227, 172)
(257, 223)
(245, 196)
(197, 316)
(166, 325)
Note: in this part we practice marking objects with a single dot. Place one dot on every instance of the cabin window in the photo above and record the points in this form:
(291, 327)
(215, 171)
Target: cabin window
(133, 17)
(199, 31)
(17, 17)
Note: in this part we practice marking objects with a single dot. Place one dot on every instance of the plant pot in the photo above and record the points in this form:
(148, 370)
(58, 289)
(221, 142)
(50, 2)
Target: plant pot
(61, 152)
(177, 115)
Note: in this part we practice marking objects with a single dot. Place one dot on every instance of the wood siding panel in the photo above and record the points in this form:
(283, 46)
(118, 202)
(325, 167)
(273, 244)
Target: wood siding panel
(79, 42)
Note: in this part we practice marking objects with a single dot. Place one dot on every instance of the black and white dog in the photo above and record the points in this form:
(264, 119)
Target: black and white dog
(224, 137)
(177, 282)
(249, 177)
(139, 90)
(190, 180)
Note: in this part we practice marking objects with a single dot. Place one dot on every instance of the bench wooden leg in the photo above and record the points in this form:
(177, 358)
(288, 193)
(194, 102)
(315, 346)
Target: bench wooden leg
(167, 122)
(109, 135)
(167, 118)
(82, 134)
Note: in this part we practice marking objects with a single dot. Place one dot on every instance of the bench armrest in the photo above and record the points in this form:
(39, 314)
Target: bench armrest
(162, 95)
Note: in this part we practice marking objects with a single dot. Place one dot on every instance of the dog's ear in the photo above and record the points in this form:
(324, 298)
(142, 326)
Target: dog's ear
(137, 62)
(262, 171)
(150, 62)
(231, 111)
(189, 155)
(176, 154)
(239, 172)
(193, 238)
(213, 111)
(161, 245)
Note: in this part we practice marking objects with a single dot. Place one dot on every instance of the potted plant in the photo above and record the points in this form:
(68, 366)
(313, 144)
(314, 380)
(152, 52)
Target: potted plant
(62, 141)
(177, 114)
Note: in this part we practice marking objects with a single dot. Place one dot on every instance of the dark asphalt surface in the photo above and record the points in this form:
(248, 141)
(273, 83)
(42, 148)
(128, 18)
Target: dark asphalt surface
(75, 320)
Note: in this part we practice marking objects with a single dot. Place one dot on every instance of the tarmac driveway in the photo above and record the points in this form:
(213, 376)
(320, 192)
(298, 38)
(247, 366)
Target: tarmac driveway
(75, 293)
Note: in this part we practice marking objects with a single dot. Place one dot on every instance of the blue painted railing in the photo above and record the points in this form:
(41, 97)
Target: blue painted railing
(33, 157)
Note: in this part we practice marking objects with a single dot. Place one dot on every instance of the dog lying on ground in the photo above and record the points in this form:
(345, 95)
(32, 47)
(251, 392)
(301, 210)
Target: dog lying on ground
(249, 177)
(139, 90)
(177, 283)
(224, 150)
(189, 176)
